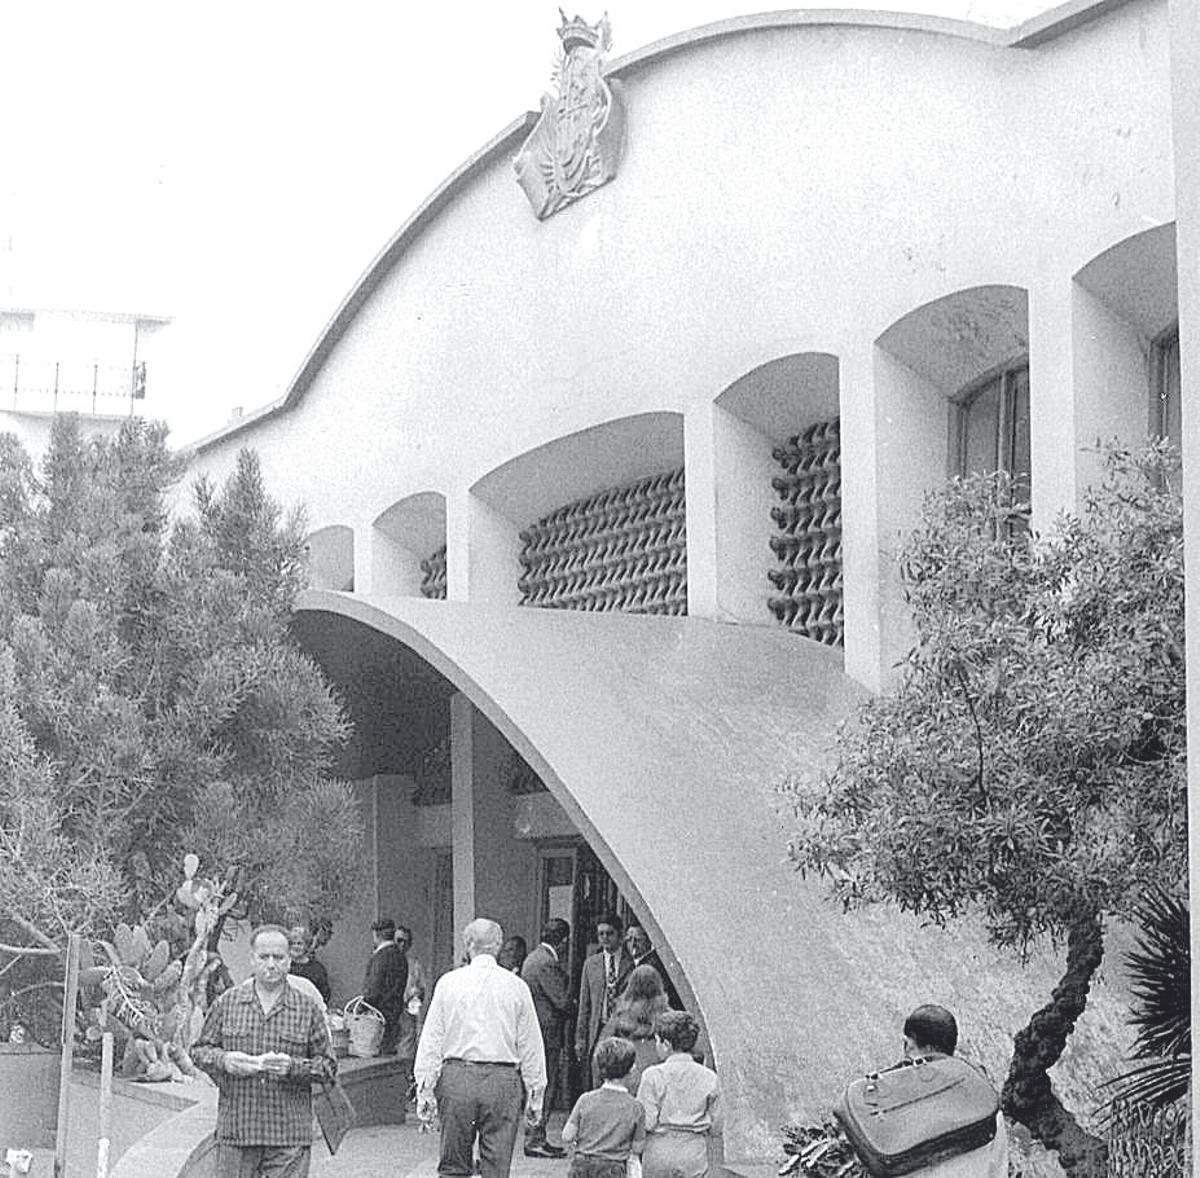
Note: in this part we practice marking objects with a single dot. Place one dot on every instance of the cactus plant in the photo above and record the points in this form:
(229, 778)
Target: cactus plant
(154, 1002)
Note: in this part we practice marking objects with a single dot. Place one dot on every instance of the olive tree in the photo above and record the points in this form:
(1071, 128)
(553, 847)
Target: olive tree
(1029, 763)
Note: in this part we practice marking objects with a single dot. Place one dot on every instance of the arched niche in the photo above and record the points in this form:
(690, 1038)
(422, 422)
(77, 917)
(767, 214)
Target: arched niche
(953, 341)
(794, 396)
(577, 465)
(927, 366)
(331, 558)
(562, 472)
(1124, 338)
(408, 546)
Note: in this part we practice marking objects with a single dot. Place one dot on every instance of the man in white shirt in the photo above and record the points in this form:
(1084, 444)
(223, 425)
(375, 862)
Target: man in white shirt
(480, 1048)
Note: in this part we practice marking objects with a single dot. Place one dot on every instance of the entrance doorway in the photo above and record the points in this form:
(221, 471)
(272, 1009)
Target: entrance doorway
(574, 886)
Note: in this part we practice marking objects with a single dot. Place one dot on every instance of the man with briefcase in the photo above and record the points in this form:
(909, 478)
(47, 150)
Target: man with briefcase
(932, 1115)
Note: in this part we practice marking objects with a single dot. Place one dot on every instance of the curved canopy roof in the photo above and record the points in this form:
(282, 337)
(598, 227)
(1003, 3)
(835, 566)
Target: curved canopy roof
(664, 739)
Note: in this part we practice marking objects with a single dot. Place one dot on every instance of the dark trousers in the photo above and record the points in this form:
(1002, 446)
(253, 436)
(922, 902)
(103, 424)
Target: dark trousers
(391, 1035)
(536, 1134)
(481, 1100)
(262, 1161)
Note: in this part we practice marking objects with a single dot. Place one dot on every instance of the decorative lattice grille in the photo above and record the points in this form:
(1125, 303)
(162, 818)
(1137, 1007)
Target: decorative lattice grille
(433, 575)
(624, 549)
(809, 544)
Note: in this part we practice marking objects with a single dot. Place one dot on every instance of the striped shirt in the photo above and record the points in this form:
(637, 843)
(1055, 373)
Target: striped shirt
(264, 1109)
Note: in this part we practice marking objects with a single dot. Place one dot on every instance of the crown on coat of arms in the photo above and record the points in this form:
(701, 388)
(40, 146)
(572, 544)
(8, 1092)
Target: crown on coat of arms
(575, 32)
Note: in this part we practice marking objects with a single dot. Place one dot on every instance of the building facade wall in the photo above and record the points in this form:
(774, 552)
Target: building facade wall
(915, 205)
(784, 190)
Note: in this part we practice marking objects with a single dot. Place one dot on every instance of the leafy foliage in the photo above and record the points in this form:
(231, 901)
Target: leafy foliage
(151, 697)
(1161, 978)
(1030, 763)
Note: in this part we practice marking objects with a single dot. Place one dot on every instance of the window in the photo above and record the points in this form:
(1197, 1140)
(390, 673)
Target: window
(990, 428)
(1165, 419)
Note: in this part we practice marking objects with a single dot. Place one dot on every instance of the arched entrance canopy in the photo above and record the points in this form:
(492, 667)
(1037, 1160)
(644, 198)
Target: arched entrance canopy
(664, 740)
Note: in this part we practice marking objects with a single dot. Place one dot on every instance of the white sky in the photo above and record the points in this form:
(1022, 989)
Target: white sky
(237, 164)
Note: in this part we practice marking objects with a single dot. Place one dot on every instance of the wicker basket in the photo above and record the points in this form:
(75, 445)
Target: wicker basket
(365, 1025)
(339, 1034)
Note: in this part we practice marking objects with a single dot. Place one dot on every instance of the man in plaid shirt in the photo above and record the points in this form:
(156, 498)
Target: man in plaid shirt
(265, 1043)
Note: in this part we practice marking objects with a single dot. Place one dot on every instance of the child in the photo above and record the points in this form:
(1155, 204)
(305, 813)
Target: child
(606, 1125)
(681, 1100)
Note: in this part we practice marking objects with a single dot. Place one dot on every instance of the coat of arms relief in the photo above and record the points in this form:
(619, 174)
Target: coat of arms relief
(576, 143)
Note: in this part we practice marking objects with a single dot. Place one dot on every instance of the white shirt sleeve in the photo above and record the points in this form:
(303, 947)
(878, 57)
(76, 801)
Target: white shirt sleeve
(427, 1067)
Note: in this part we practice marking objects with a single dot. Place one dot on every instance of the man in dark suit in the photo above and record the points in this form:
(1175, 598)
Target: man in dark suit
(637, 941)
(387, 976)
(604, 976)
(545, 973)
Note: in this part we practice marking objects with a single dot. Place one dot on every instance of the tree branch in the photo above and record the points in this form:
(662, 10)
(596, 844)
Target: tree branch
(962, 679)
(32, 929)
(29, 951)
(46, 985)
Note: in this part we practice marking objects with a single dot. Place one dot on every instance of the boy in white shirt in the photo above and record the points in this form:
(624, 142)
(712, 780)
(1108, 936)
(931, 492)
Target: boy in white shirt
(682, 1101)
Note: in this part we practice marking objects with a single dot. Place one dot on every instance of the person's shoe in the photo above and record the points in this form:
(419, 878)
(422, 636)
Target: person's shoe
(544, 1150)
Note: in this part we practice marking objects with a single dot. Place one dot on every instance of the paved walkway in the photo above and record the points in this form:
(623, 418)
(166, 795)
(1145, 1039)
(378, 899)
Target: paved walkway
(403, 1151)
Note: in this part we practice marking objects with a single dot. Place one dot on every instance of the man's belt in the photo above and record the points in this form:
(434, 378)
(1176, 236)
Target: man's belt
(482, 1063)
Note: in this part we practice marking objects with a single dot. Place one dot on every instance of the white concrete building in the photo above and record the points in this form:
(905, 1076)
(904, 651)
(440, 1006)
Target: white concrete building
(917, 245)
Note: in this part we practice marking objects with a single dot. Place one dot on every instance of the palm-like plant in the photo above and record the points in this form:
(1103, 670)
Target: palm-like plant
(1160, 972)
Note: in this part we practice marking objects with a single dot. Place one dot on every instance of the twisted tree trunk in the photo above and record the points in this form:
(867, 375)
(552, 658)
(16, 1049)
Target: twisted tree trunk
(1028, 1096)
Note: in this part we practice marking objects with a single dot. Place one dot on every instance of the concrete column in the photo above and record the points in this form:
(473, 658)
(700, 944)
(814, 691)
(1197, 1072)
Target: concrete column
(458, 546)
(1109, 365)
(462, 807)
(860, 520)
(362, 556)
(494, 871)
(1185, 92)
(393, 568)
(744, 470)
(493, 555)
(1054, 456)
(701, 493)
(911, 423)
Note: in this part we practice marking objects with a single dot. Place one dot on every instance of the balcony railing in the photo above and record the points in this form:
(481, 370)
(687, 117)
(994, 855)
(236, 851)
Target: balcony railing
(32, 383)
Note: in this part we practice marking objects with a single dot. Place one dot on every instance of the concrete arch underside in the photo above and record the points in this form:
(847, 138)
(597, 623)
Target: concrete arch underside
(664, 739)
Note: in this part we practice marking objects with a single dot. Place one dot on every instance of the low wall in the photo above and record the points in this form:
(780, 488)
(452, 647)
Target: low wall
(29, 1109)
(137, 1110)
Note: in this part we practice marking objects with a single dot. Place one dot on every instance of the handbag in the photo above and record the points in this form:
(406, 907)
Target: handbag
(917, 1113)
(335, 1114)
